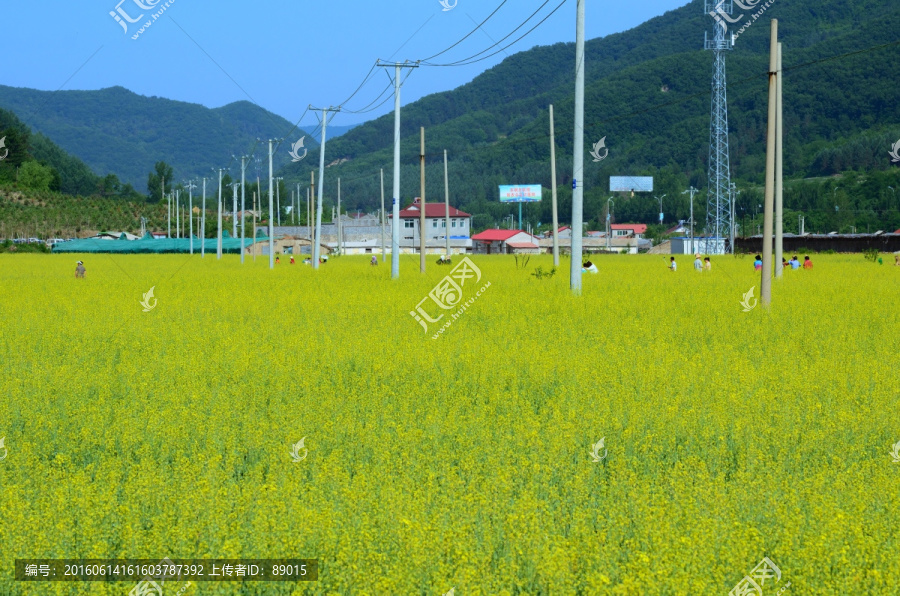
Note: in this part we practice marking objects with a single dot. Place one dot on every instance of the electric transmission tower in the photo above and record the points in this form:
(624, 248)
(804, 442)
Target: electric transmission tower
(718, 211)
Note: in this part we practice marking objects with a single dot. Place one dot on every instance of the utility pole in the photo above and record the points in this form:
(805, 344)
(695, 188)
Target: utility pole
(765, 290)
(311, 203)
(191, 187)
(340, 232)
(318, 239)
(446, 203)
(422, 242)
(608, 223)
(779, 177)
(234, 189)
(578, 161)
(660, 207)
(553, 187)
(162, 196)
(395, 222)
(244, 159)
(203, 223)
(177, 214)
(278, 199)
(383, 251)
(692, 191)
(254, 224)
(219, 241)
(271, 210)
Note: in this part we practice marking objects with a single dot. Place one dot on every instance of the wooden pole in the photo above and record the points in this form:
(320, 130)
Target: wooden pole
(422, 243)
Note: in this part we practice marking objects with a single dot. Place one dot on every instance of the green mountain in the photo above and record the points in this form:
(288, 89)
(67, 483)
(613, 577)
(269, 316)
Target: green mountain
(648, 93)
(115, 130)
(66, 173)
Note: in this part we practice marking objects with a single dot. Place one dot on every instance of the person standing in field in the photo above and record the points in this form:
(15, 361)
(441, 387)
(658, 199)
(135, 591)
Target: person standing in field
(795, 262)
(292, 259)
(807, 264)
(897, 259)
(757, 264)
(588, 267)
(698, 264)
(673, 266)
(707, 265)
(79, 270)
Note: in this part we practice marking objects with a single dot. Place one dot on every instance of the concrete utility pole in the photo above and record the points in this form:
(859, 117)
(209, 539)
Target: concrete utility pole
(609, 202)
(422, 242)
(318, 240)
(446, 203)
(765, 290)
(219, 241)
(395, 222)
(254, 223)
(779, 177)
(234, 189)
(553, 187)
(383, 251)
(311, 203)
(244, 159)
(692, 191)
(177, 214)
(162, 196)
(203, 223)
(271, 209)
(340, 231)
(191, 186)
(278, 199)
(578, 161)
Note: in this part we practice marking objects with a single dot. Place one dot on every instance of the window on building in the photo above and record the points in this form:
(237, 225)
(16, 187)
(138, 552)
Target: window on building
(443, 223)
(409, 224)
(452, 223)
(434, 223)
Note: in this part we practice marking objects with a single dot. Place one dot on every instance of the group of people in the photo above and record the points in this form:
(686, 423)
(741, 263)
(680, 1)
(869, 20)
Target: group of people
(589, 267)
(794, 263)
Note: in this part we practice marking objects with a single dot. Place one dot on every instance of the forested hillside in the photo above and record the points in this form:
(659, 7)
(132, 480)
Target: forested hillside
(648, 94)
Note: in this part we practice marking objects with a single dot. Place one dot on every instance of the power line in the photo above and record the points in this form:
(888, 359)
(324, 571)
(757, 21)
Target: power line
(508, 35)
(469, 34)
(470, 60)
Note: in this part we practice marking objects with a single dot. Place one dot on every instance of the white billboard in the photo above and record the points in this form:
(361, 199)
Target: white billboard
(631, 183)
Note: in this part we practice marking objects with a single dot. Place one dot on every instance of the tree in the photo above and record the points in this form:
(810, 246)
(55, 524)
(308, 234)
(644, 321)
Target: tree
(154, 181)
(35, 176)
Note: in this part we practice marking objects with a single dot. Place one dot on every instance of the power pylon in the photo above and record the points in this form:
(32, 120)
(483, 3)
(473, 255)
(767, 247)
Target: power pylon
(718, 211)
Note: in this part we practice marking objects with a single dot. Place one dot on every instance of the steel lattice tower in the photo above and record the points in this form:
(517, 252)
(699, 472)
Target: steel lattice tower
(718, 210)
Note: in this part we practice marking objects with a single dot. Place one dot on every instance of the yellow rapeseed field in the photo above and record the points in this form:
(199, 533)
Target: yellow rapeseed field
(462, 462)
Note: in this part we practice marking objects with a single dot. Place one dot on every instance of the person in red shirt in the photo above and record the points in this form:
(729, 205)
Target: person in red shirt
(807, 264)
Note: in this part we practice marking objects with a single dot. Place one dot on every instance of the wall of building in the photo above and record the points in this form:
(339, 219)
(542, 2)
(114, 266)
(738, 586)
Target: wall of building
(858, 243)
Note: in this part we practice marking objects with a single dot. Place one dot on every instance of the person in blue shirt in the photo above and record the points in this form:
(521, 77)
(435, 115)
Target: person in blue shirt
(672, 264)
(757, 264)
(795, 262)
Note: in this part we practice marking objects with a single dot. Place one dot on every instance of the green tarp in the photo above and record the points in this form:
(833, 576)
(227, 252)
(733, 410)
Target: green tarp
(150, 245)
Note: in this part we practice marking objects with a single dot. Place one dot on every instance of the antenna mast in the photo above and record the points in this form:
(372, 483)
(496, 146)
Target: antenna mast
(718, 210)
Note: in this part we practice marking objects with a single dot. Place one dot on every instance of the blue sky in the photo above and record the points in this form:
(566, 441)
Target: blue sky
(280, 54)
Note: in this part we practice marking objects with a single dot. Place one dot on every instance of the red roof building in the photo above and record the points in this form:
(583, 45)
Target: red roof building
(624, 230)
(505, 242)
